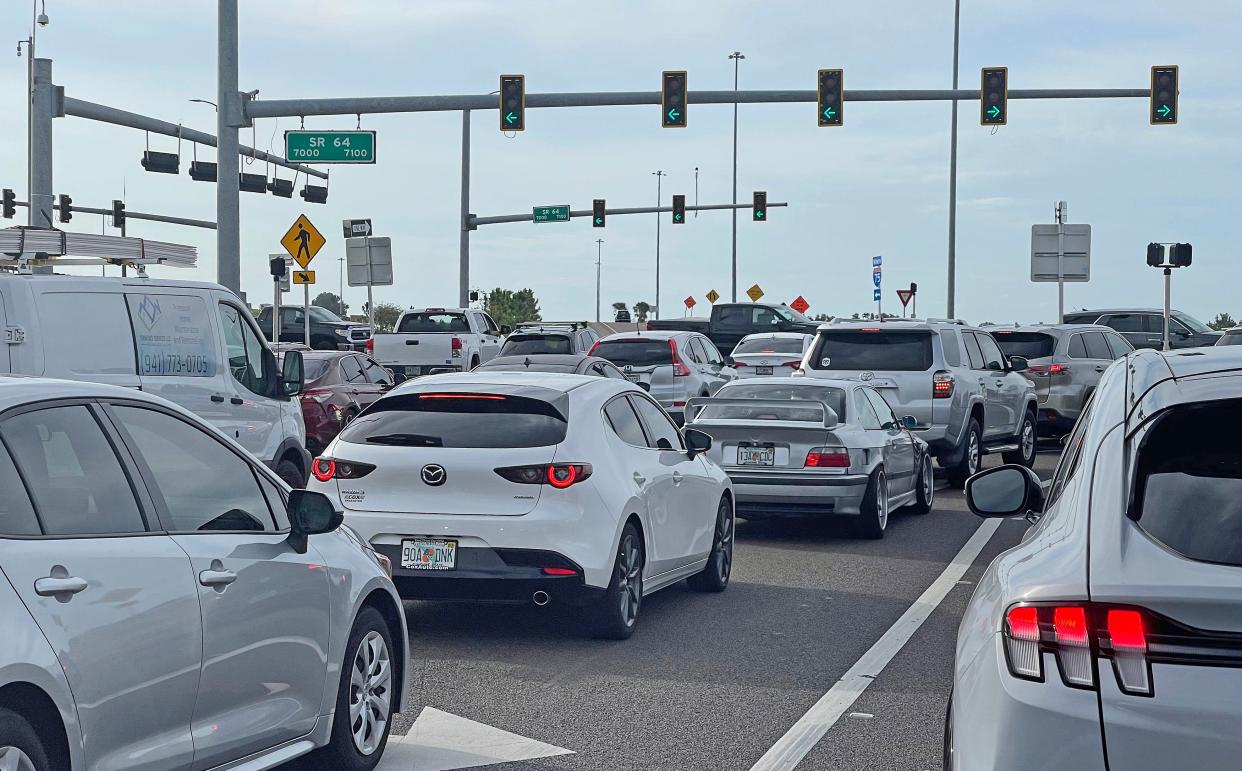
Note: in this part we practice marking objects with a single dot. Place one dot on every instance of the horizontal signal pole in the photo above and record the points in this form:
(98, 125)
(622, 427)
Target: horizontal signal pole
(278, 108)
(136, 215)
(530, 217)
(104, 114)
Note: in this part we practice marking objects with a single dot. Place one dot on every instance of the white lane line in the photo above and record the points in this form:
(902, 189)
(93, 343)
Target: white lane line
(791, 748)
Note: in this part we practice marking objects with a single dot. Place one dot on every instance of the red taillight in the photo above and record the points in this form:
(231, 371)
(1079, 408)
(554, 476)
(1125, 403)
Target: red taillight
(486, 397)
(1129, 643)
(1070, 624)
(679, 369)
(370, 346)
(828, 457)
(319, 395)
(740, 364)
(559, 572)
(456, 347)
(792, 364)
(324, 469)
(942, 385)
(1022, 642)
(1125, 629)
(1077, 634)
(1074, 640)
(559, 475)
(593, 347)
(1047, 369)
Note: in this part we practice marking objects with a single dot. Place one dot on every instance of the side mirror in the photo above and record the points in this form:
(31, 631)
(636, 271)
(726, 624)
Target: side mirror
(292, 374)
(1018, 364)
(310, 513)
(909, 422)
(506, 329)
(697, 442)
(1005, 491)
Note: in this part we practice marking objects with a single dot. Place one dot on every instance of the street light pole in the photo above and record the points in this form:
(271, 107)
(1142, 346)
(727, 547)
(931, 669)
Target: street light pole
(659, 175)
(737, 57)
(599, 254)
(952, 309)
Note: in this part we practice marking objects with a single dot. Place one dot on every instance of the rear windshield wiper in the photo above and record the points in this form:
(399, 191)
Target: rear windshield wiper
(407, 440)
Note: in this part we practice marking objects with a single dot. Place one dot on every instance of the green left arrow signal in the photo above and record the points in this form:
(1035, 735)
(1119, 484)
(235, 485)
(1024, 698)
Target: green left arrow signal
(994, 112)
(510, 118)
(759, 214)
(829, 113)
(677, 217)
(673, 115)
(599, 221)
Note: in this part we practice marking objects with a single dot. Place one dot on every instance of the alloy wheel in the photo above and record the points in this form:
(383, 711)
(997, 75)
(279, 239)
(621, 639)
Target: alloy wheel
(14, 759)
(881, 500)
(630, 578)
(723, 553)
(972, 452)
(370, 693)
(929, 482)
(1028, 440)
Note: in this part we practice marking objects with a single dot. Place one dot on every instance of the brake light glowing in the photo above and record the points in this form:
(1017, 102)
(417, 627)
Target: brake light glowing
(319, 395)
(942, 385)
(740, 364)
(792, 364)
(679, 369)
(1047, 369)
(1023, 623)
(324, 469)
(1022, 642)
(559, 475)
(827, 457)
(1125, 629)
(1070, 624)
(1078, 634)
(870, 329)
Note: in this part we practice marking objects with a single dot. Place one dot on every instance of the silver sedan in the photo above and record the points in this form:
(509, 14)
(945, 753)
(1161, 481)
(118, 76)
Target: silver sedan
(801, 447)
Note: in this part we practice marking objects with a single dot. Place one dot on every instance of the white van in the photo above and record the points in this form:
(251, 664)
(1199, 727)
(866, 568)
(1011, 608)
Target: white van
(192, 343)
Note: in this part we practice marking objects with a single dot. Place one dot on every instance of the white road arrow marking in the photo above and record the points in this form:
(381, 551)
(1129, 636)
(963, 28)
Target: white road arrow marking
(440, 741)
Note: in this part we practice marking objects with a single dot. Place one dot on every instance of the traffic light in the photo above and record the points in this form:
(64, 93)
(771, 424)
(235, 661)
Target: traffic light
(1155, 255)
(1163, 94)
(10, 204)
(252, 183)
(994, 96)
(202, 171)
(281, 188)
(277, 266)
(679, 210)
(161, 163)
(118, 214)
(673, 99)
(831, 97)
(597, 213)
(314, 193)
(66, 207)
(512, 102)
(759, 206)
(1179, 255)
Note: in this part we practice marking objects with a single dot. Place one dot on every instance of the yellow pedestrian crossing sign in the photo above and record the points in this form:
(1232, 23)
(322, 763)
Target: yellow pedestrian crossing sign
(713, 296)
(303, 276)
(302, 241)
(754, 293)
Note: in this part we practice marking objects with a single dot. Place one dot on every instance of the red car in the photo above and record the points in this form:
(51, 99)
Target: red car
(339, 385)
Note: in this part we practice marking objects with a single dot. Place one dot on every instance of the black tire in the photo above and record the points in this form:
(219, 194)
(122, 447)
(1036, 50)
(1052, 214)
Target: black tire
(972, 455)
(873, 514)
(323, 344)
(474, 363)
(924, 490)
(616, 614)
(1027, 443)
(17, 734)
(342, 752)
(291, 473)
(715, 576)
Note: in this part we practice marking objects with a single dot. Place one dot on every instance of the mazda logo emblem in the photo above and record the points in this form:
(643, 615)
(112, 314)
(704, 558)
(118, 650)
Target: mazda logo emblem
(433, 474)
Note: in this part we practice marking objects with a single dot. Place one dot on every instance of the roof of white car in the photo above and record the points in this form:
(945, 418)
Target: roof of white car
(843, 383)
(16, 390)
(654, 334)
(778, 336)
(554, 381)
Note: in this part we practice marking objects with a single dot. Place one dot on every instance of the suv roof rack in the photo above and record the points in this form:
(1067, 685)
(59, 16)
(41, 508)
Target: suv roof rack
(959, 322)
(23, 248)
(572, 326)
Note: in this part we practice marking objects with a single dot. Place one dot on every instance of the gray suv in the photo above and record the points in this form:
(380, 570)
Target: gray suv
(1144, 327)
(673, 367)
(968, 397)
(1065, 362)
(540, 338)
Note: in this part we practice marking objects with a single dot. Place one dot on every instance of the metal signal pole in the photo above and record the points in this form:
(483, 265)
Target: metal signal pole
(659, 175)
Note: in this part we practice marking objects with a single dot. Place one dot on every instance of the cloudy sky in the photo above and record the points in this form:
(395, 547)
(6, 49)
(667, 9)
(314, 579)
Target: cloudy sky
(879, 185)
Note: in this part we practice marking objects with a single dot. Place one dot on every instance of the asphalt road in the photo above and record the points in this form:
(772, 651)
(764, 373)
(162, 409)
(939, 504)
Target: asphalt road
(712, 681)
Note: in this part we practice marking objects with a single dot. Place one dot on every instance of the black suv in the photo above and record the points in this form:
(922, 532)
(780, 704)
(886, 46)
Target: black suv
(1144, 327)
(328, 332)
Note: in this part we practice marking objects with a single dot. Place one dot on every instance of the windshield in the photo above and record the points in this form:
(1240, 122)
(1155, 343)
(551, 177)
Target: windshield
(1031, 345)
(324, 315)
(635, 352)
(433, 322)
(833, 397)
(867, 349)
(1196, 326)
(1233, 337)
(518, 345)
(769, 345)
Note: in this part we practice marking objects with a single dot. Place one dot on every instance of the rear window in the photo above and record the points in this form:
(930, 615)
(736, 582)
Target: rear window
(635, 352)
(518, 345)
(1192, 501)
(459, 420)
(1031, 345)
(878, 350)
(833, 397)
(429, 321)
(769, 345)
(314, 368)
(533, 366)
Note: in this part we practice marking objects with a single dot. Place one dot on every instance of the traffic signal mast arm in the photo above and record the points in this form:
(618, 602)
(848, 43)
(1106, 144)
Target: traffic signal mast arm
(530, 217)
(135, 215)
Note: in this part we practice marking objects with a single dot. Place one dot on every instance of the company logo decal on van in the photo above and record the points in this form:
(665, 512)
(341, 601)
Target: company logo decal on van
(149, 312)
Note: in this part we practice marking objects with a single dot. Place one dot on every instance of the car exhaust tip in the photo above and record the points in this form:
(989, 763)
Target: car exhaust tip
(540, 598)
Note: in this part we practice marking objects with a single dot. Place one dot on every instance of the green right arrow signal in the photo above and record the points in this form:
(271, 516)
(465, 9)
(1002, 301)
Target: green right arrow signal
(994, 112)
(1164, 111)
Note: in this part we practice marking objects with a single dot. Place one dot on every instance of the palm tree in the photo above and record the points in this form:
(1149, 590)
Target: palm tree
(641, 309)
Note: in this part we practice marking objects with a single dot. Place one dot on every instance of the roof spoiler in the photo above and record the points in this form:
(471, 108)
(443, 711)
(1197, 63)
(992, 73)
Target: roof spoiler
(696, 405)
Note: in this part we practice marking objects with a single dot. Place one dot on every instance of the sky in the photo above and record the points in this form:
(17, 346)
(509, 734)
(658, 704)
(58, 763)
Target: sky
(876, 186)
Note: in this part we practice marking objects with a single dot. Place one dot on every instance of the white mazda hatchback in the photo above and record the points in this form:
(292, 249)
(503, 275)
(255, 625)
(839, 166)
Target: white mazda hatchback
(533, 487)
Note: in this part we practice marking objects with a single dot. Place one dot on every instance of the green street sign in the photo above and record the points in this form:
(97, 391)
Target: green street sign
(330, 146)
(552, 213)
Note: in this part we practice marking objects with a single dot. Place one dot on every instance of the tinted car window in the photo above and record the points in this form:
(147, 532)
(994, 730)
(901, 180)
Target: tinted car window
(315, 368)
(769, 345)
(75, 477)
(1077, 347)
(351, 370)
(458, 420)
(873, 350)
(952, 351)
(973, 352)
(866, 413)
(1097, 347)
(885, 412)
(733, 317)
(609, 370)
(713, 353)
(635, 352)
(244, 350)
(205, 485)
(1126, 322)
(993, 359)
(663, 434)
(413, 323)
(695, 349)
(1192, 502)
(623, 420)
(1231, 338)
(17, 516)
(1032, 345)
(833, 397)
(1118, 345)
(518, 345)
(375, 373)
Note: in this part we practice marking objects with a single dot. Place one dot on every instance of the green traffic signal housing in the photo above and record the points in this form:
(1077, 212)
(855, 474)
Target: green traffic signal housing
(598, 213)
(759, 206)
(673, 99)
(1163, 107)
(512, 102)
(994, 96)
(831, 99)
(679, 210)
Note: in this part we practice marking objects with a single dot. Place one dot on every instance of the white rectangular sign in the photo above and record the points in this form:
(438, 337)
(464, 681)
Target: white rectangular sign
(1076, 263)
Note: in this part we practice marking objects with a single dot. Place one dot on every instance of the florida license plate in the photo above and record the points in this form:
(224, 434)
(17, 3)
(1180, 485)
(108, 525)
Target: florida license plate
(756, 456)
(763, 370)
(428, 554)
(634, 378)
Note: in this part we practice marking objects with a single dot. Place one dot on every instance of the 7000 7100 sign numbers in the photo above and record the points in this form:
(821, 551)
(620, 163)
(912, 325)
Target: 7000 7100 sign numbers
(330, 146)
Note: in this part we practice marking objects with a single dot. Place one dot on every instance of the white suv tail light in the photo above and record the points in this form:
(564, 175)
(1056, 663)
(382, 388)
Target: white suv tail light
(1078, 634)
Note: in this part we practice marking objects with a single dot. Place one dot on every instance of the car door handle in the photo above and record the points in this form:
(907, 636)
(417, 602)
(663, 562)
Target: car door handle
(53, 587)
(411, 342)
(216, 578)
(1100, 369)
(676, 477)
(237, 400)
(217, 398)
(639, 479)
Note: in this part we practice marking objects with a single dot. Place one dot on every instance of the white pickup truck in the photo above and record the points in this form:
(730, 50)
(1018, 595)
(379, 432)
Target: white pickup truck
(427, 341)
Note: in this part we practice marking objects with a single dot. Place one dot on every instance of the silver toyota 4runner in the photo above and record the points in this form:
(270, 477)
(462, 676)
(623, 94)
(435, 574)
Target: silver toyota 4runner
(968, 398)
